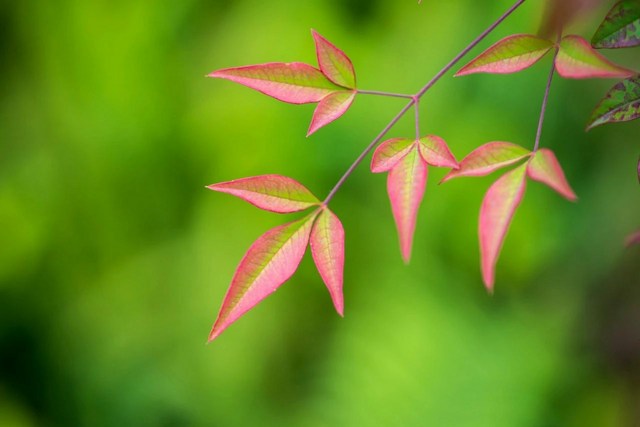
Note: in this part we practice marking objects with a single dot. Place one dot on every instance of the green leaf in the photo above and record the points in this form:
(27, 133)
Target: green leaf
(509, 55)
(295, 83)
(620, 104)
(578, 60)
(268, 263)
(621, 27)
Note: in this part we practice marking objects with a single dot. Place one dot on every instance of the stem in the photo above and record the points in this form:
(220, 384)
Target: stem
(415, 98)
(391, 94)
(466, 50)
(416, 104)
(545, 101)
(365, 152)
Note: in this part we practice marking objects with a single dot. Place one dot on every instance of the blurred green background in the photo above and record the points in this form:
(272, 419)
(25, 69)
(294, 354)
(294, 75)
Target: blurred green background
(115, 258)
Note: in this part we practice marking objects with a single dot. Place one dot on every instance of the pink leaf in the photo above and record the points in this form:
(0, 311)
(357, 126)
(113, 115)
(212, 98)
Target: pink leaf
(544, 167)
(509, 55)
(389, 153)
(488, 158)
(275, 193)
(268, 263)
(434, 151)
(331, 108)
(295, 82)
(578, 60)
(327, 248)
(334, 63)
(497, 210)
(405, 184)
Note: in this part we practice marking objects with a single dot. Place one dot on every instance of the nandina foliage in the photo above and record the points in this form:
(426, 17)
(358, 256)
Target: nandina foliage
(275, 256)
(620, 29)
(332, 87)
(406, 160)
(504, 196)
(575, 58)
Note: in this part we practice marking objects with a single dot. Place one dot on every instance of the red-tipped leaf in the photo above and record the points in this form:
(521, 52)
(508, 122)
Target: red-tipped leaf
(268, 263)
(406, 184)
(435, 151)
(295, 82)
(327, 248)
(331, 108)
(488, 158)
(334, 63)
(545, 168)
(509, 55)
(389, 153)
(496, 213)
(275, 193)
(578, 60)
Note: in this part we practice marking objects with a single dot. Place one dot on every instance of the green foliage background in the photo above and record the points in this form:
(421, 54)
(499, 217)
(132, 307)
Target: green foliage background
(115, 258)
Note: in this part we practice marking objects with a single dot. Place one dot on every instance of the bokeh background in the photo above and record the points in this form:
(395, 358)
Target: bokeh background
(114, 257)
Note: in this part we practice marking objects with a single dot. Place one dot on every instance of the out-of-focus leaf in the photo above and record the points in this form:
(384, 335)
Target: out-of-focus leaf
(545, 168)
(621, 27)
(560, 14)
(331, 108)
(496, 213)
(334, 63)
(295, 82)
(268, 263)
(327, 248)
(620, 104)
(488, 158)
(275, 193)
(509, 55)
(434, 151)
(405, 184)
(389, 153)
(633, 239)
(578, 60)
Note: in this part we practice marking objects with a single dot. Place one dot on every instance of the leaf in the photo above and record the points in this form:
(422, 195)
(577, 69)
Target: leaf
(405, 184)
(295, 82)
(327, 248)
(509, 55)
(275, 193)
(544, 167)
(334, 63)
(488, 158)
(389, 153)
(268, 263)
(633, 239)
(331, 108)
(496, 213)
(620, 104)
(578, 60)
(434, 151)
(621, 27)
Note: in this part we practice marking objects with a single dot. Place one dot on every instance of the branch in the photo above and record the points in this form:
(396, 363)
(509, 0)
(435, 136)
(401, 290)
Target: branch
(415, 98)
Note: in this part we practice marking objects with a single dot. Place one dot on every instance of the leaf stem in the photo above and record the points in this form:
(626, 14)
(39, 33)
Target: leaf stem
(416, 105)
(379, 93)
(415, 98)
(545, 101)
